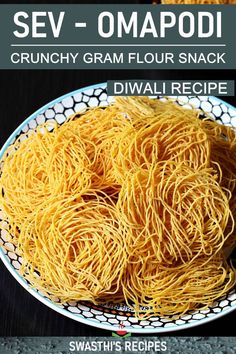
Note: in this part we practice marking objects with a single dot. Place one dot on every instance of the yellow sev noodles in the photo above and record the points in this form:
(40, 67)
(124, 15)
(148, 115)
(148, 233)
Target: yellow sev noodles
(130, 203)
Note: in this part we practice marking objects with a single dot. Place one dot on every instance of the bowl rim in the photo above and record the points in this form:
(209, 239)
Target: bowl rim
(78, 317)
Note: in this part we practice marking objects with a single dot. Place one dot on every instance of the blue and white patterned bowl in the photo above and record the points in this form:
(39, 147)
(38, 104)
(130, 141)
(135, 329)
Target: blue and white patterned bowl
(110, 317)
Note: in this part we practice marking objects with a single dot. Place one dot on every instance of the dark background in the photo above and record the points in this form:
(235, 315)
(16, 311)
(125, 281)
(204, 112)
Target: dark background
(23, 92)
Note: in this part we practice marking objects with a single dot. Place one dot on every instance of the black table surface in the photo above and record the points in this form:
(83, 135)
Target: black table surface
(23, 92)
